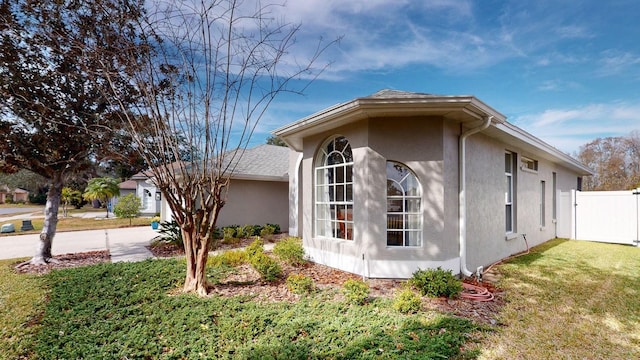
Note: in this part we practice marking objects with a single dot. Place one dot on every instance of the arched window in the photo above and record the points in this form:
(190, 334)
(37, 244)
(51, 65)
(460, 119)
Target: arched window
(334, 190)
(404, 206)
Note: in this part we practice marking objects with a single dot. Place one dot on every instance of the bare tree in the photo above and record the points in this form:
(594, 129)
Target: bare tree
(211, 71)
(615, 161)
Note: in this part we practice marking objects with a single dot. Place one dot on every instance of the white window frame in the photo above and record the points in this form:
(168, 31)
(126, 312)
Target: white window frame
(543, 204)
(509, 196)
(403, 214)
(333, 190)
(529, 165)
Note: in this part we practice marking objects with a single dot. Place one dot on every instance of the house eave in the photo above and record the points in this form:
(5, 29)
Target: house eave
(513, 135)
(461, 109)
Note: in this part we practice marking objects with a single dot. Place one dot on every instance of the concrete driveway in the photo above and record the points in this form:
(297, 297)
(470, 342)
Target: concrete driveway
(124, 244)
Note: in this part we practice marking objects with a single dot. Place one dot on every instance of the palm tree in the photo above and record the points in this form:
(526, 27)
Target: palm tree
(102, 189)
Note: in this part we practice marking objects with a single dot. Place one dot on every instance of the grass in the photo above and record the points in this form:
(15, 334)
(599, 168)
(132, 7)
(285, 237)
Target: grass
(22, 302)
(131, 310)
(76, 223)
(570, 300)
(566, 299)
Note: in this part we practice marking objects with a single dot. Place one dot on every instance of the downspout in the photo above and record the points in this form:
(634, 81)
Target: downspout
(462, 201)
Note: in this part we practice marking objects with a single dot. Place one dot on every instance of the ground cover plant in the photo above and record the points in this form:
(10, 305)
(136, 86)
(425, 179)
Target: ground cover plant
(135, 310)
(570, 300)
(22, 301)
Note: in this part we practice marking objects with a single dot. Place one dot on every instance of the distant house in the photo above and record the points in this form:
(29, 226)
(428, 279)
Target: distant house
(258, 192)
(142, 186)
(389, 183)
(16, 195)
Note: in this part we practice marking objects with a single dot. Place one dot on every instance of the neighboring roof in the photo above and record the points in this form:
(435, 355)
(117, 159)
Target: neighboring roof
(20, 191)
(263, 162)
(393, 103)
(128, 185)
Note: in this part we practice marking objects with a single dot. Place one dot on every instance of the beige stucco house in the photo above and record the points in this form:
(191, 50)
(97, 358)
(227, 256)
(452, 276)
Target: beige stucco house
(258, 190)
(389, 183)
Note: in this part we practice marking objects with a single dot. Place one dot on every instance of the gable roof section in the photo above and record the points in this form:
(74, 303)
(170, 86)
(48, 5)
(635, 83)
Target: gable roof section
(465, 109)
(264, 162)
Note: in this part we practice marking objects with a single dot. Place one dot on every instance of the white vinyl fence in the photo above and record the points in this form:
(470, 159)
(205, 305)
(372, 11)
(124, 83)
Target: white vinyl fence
(605, 216)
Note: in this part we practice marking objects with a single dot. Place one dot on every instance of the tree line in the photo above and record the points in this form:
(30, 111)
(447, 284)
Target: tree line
(615, 162)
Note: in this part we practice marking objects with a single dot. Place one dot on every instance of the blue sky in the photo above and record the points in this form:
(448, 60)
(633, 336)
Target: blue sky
(566, 71)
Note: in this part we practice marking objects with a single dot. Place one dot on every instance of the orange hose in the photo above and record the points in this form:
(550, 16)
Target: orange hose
(476, 293)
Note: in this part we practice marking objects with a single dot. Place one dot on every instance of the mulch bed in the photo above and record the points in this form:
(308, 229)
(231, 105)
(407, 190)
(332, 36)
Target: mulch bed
(245, 281)
(65, 261)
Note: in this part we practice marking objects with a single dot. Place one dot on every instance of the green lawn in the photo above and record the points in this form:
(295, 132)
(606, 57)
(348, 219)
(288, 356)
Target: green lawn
(570, 300)
(566, 300)
(132, 311)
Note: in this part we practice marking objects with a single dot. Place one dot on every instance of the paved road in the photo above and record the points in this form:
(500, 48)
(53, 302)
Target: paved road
(124, 244)
(8, 211)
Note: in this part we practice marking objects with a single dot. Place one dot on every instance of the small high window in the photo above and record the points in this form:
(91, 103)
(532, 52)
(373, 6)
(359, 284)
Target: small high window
(404, 206)
(529, 164)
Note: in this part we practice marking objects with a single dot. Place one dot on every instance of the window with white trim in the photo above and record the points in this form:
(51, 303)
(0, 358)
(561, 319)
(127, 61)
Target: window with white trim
(529, 164)
(334, 190)
(509, 195)
(543, 204)
(404, 206)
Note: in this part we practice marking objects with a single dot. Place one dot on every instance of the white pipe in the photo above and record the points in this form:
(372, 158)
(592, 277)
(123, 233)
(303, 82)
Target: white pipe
(462, 201)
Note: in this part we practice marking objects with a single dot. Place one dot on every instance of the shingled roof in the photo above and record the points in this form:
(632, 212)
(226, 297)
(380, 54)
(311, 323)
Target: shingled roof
(263, 162)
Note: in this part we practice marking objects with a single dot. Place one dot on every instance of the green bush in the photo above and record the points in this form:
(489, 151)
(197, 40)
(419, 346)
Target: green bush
(231, 258)
(407, 302)
(300, 284)
(171, 232)
(356, 291)
(436, 282)
(290, 251)
(255, 248)
(276, 228)
(268, 268)
(240, 232)
(267, 231)
(228, 233)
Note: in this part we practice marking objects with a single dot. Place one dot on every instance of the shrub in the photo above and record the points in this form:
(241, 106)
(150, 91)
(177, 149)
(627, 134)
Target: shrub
(228, 233)
(267, 231)
(436, 282)
(268, 268)
(407, 302)
(255, 248)
(290, 251)
(171, 232)
(276, 228)
(240, 232)
(231, 258)
(356, 291)
(128, 207)
(300, 284)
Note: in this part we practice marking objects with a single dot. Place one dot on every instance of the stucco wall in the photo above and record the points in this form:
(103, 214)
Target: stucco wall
(487, 240)
(256, 203)
(415, 142)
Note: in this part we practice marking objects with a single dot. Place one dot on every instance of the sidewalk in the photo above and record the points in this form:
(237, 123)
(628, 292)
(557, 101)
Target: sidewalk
(124, 244)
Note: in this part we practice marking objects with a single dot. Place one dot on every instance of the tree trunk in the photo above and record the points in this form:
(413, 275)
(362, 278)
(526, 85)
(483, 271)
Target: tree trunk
(196, 253)
(43, 250)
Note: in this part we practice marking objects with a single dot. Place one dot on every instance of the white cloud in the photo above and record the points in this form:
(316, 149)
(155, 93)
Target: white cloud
(569, 128)
(615, 63)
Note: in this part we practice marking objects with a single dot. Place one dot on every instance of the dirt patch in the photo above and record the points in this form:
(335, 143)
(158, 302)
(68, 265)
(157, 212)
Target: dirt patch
(65, 261)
